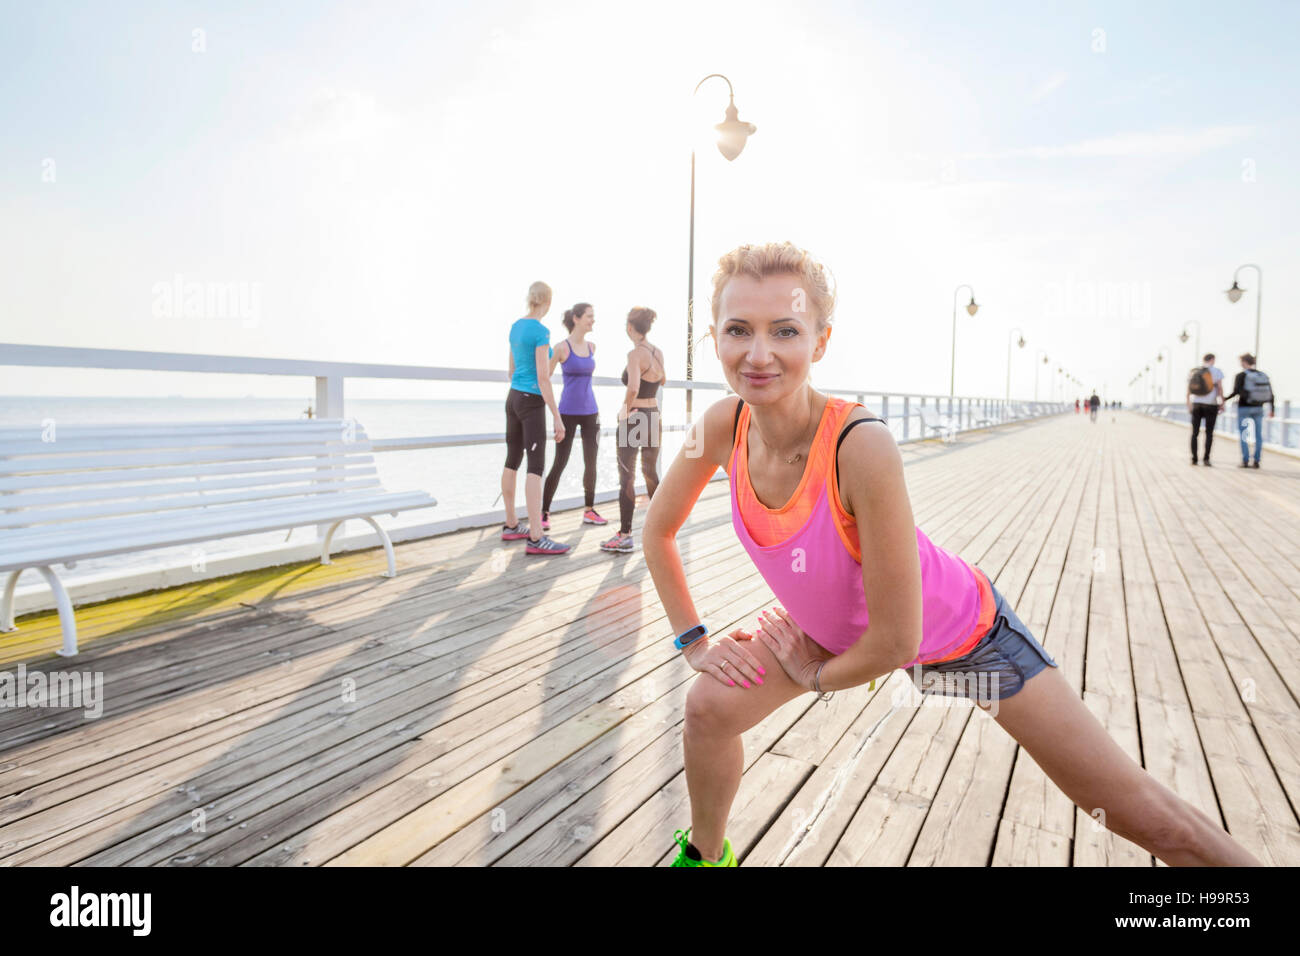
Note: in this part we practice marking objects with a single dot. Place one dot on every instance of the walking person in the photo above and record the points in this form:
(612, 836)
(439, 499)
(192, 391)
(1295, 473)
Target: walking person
(811, 476)
(576, 356)
(1253, 391)
(1094, 403)
(1204, 400)
(638, 424)
(529, 397)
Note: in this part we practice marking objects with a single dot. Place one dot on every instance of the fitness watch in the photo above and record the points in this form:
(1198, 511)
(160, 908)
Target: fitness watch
(690, 637)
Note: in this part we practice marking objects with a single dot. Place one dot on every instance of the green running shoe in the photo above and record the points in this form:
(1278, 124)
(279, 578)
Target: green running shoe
(689, 856)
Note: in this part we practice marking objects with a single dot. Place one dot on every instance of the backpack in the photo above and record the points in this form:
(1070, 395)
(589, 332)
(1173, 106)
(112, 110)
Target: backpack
(1257, 388)
(1201, 381)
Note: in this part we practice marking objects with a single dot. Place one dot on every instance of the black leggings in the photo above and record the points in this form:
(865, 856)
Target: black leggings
(590, 425)
(1208, 412)
(639, 432)
(526, 429)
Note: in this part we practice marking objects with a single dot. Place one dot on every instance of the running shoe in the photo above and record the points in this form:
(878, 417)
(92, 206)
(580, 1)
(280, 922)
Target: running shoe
(508, 533)
(689, 856)
(590, 517)
(546, 521)
(621, 543)
(546, 546)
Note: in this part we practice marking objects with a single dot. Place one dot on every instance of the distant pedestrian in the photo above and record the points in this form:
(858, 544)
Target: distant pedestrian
(1094, 403)
(1204, 400)
(1076, 406)
(1253, 391)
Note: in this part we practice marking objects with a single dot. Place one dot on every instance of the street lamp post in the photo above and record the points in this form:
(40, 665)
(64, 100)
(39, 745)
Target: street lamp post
(1160, 357)
(971, 308)
(1010, 337)
(1235, 292)
(732, 135)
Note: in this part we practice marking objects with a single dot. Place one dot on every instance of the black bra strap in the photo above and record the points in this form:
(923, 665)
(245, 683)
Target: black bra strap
(736, 424)
(843, 434)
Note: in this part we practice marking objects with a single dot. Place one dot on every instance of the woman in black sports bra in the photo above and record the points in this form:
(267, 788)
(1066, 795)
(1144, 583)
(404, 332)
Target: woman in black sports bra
(638, 424)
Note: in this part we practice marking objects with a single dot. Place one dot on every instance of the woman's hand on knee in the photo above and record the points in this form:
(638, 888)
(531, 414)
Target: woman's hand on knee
(726, 659)
(798, 654)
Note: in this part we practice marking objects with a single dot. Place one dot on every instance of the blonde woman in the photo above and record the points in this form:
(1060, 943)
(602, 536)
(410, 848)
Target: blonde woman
(526, 403)
(814, 473)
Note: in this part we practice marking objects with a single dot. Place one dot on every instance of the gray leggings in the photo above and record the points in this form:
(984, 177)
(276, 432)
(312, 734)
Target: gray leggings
(639, 432)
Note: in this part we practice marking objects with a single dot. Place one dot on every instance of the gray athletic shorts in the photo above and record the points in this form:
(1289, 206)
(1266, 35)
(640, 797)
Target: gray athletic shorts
(995, 669)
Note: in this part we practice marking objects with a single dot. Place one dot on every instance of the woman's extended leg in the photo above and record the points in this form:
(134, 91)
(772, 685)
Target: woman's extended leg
(716, 716)
(650, 456)
(561, 459)
(590, 446)
(1066, 740)
(626, 484)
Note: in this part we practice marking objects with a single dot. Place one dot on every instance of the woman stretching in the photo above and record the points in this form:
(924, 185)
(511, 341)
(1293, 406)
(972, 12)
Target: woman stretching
(638, 424)
(526, 403)
(819, 502)
(577, 358)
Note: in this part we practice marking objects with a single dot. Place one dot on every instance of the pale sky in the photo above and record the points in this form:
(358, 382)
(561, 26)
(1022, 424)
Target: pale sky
(388, 178)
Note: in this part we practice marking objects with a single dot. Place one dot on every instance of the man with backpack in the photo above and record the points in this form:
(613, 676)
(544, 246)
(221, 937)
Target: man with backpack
(1204, 399)
(1094, 403)
(1253, 391)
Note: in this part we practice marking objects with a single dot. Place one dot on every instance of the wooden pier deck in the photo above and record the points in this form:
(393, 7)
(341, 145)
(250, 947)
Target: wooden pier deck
(489, 708)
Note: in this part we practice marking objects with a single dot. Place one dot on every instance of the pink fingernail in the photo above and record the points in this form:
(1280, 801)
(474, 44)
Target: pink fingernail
(760, 680)
(761, 671)
(746, 684)
(731, 683)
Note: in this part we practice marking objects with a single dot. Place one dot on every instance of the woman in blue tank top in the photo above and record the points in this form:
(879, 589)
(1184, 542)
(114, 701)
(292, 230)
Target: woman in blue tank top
(576, 358)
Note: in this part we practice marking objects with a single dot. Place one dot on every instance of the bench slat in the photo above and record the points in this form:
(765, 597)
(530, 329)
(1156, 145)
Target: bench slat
(109, 430)
(99, 492)
(169, 535)
(33, 519)
(327, 453)
(108, 528)
(116, 476)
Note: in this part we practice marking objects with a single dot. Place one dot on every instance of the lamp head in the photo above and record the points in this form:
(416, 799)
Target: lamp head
(1235, 292)
(1183, 337)
(1021, 343)
(972, 308)
(732, 133)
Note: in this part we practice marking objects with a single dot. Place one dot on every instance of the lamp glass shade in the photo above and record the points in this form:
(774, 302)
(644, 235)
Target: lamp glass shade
(1234, 293)
(972, 308)
(1183, 337)
(732, 133)
(1021, 343)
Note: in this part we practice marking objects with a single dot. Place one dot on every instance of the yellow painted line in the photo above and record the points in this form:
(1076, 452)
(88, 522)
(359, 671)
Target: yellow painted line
(39, 634)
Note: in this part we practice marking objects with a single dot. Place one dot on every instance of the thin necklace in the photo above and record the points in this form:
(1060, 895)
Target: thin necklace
(798, 454)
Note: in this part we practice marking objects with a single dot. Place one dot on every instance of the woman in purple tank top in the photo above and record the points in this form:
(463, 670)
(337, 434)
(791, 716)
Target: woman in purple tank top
(859, 549)
(576, 356)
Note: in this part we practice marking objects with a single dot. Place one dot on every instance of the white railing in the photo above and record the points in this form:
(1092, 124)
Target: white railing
(903, 412)
(1281, 431)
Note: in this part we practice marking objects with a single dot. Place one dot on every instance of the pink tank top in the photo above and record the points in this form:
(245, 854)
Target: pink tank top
(808, 564)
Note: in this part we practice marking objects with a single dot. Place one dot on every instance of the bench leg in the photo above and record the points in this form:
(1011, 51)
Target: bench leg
(383, 537)
(67, 619)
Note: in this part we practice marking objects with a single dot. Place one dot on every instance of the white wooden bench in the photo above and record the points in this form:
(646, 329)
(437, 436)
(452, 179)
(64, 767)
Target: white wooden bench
(931, 420)
(70, 492)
